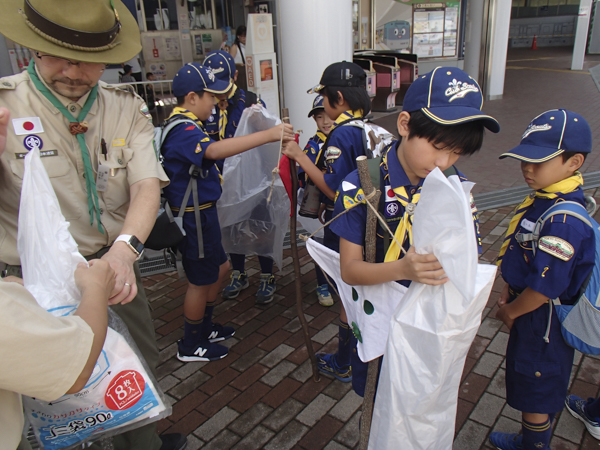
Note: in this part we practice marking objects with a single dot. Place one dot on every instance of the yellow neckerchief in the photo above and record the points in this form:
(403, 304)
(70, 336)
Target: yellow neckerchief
(346, 115)
(223, 114)
(178, 110)
(553, 191)
(321, 136)
(405, 226)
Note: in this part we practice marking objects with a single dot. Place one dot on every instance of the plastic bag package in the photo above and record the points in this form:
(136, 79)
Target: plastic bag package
(121, 394)
(368, 308)
(249, 224)
(433, 327)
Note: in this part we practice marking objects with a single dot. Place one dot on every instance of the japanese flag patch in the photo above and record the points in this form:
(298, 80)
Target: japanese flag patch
(27, 125)
(557, 247)
(389, 194)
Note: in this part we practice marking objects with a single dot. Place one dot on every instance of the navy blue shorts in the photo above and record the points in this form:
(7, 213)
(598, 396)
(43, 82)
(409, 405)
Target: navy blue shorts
(205, 271)
(537, 373)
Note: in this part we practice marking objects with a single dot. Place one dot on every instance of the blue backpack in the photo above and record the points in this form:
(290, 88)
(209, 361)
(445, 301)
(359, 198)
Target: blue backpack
(580, 322)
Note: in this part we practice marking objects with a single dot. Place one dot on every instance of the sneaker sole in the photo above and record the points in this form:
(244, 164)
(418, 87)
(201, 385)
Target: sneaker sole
(337, 377)
(219, 339)
(198, 358)
(263, 301)
(325, 303)
(228, 296)
(594, 431)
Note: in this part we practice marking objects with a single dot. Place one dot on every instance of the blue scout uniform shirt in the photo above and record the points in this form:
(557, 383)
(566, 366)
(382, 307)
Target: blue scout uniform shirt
(185, 145)
(352, 225)
(312, 150)
(237, 104)
(548, 273)
(343, 146)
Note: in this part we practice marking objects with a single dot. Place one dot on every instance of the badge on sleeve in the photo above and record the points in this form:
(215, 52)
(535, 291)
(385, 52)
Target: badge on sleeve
(332, 153)
(27, 125)
(145, 112)
(557, 247)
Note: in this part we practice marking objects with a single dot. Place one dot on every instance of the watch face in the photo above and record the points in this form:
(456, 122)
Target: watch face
(135, 243)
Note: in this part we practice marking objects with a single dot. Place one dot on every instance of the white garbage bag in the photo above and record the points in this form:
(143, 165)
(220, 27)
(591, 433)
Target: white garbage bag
(249, 224)
(120, 394)
(433, 327)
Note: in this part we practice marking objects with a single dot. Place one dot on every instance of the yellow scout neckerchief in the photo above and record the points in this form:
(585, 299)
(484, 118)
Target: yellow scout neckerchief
(405, 225)
(223, 115)
(553, 191)
(178, 110)
(321, 136)
(346, 115)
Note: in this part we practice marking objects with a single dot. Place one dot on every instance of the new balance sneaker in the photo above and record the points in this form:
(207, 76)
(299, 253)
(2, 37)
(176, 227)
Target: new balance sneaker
(327, 365)
(506, 441)
(325, 298)
(575, 405)
(206, 351)
(266, 289)
(239, 281)
(220, 333)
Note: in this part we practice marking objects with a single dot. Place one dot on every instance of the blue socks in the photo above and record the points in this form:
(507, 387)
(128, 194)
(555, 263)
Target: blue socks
(537, 435)
(593, 409)
(346, 344)
(207, 322)
(192, 333)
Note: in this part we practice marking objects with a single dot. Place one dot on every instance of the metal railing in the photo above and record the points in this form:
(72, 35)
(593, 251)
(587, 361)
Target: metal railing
(158, 96)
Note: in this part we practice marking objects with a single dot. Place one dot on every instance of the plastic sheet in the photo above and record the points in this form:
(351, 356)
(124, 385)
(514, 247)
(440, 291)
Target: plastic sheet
(249, 224)
(120, 394)
(433, 327)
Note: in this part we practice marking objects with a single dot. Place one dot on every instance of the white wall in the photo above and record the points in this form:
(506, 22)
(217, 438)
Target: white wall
(314, 34)
(499, 48)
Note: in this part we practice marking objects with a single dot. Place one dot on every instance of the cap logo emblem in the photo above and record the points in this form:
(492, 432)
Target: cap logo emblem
(348, 74)
(318, 99)
(458, 89)
(534, 128)
(211, 74)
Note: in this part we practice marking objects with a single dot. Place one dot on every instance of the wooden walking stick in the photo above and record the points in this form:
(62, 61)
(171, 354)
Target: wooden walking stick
(372, 195)
(296, 259)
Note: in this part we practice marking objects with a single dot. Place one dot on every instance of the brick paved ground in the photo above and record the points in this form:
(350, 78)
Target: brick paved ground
(262, 395)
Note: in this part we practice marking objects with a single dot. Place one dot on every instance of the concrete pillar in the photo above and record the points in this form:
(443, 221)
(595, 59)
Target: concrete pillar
(498, 47)
(473, 34)
(311, 41)
(581, 34)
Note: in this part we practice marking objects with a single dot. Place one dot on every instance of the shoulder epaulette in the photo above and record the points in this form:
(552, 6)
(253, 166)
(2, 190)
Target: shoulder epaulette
(7, 84)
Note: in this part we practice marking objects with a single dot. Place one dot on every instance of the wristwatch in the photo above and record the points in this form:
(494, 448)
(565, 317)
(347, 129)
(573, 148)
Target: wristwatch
(133, 243)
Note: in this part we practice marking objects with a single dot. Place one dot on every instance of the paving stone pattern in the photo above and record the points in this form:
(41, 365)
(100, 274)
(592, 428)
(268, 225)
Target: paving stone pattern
(263, 396)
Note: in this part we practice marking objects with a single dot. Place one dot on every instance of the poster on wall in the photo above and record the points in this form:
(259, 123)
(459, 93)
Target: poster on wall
(428, 29)
(173, 48)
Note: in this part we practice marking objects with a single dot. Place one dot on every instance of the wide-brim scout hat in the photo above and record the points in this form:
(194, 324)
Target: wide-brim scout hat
(222, 64)
(317, 106)
(195, 78)
(341, 74)
(448, 96)
(95, 31)
(552, 133)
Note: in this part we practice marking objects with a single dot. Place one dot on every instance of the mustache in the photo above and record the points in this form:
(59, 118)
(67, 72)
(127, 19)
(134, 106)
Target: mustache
(70, 82)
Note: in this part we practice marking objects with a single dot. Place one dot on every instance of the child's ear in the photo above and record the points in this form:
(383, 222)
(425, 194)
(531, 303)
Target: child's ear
(575, 161)
(402, 123)
(340, 98)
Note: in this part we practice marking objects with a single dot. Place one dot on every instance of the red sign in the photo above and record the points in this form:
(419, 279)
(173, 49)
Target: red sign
(125, 390)
(250, 71)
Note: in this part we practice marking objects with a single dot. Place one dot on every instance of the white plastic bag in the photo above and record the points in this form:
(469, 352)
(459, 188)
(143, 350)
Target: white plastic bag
(433, 327)
(120, 394)
(249, 224)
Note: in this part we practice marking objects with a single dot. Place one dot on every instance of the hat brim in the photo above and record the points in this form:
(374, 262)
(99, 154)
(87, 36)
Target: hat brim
(219, 86)
(13, 26)
(315, 89)
(314, 110)
(454, 115)
(532, 153)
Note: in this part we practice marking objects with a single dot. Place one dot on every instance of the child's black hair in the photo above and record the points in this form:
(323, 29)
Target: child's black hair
(357, 97)
(181, 100)
(466, 137)
(567, 155)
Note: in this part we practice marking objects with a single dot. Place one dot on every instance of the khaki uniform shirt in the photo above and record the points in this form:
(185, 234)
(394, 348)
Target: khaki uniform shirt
(41, 355)
(116, 116)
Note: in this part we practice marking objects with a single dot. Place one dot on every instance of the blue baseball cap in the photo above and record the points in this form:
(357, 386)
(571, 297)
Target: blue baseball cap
(195, 78)
(222, 64)
(317, 105)
(448, 96)
(552, 133)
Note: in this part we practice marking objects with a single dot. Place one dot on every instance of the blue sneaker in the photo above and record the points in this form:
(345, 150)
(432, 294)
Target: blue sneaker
(266, 289)
(239, 281)
(506, 441)
(325, 298)
(576, 405)
(206, 351)
(327, 365)
(220, 333)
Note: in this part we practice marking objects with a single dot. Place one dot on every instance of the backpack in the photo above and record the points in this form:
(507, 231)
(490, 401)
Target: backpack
(580, 322)
(168, 230)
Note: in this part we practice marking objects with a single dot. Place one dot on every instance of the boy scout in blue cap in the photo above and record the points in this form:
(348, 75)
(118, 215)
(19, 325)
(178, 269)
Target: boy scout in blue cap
(538, 360)
(345, 99)
(313, 150)
(188, 145)
(441, 120)
(222, 124)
